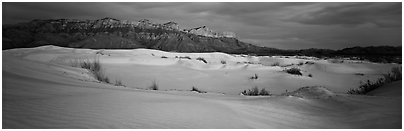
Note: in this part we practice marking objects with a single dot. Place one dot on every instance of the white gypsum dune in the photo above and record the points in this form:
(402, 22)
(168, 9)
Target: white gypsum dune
(41, 89)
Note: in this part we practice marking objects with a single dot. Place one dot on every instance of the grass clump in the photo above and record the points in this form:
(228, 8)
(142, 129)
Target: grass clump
(366, 87)
(154, 86)
(310, 75)
(275, 64)
(294, 71)
(264, 92)
(202, 59)
(118, 83)
(255, 92)
(185, 57)
(197, 90)
(336, 61)
(394, 75)
(94, 66)
(300, 63)
(254, 77)
(309, 62)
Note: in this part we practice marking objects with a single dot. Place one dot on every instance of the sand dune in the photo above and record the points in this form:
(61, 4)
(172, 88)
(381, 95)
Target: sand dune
(42, 90)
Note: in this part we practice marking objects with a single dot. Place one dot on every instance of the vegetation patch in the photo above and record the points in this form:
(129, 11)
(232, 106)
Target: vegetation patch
(336, 61)
(118, 83)
(202, 59)
(310, 75)
(275, 64)
(294, 71)
(255, 92)
(359, 74)
(254, 77)
(185, 57)
(365, 87)
(154, 86)
(94, 66)
(300, 63)
(197, 90)
(309, 63)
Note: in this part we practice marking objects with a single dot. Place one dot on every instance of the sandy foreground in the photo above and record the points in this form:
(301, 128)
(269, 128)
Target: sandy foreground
(42, 90)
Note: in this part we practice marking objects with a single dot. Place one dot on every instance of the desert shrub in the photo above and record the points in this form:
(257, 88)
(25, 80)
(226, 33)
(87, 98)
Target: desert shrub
(185, 57)
(197, 90)
(223, 62)
(275, 64)
(154, 86)
(300, 63)
(94, 66)
(366, 87)
(118, 83)
(310, 75)
(255, 92)
(309, 62)
(287, 65)
(294, 71)
(393, 75)
(336, 61)
(254, 77)
(263, 92)
(164, 57)
(202, 59)
(99, 52)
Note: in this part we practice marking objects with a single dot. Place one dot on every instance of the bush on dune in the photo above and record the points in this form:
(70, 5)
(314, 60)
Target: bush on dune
(202, 59)
(336, 61)
(254, 77)
(255, 92)
(275, 64)
(394, 75)
(310, 75)
(197, 90)
(154, 86)
(185, 57)
(263, 92)
(94, 66)
(300, 63)
(118, 83)
(294, 71)
(309, 62)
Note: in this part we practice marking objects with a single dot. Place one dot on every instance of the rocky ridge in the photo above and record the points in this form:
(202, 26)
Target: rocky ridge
(110, 33)
(113, 33)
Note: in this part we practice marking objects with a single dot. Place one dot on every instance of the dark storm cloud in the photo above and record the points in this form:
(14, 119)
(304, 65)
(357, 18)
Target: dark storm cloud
(281, 25)
(380, 14)
(22, 12)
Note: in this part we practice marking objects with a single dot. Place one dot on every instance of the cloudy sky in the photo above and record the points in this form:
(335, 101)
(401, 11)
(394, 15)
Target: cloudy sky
(279, 25)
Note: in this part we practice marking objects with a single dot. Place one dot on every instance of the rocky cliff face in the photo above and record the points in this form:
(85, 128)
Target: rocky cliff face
(112, 33)
(205, 31)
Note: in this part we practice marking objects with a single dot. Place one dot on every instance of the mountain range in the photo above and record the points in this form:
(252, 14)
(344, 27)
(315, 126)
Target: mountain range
(110, 33)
